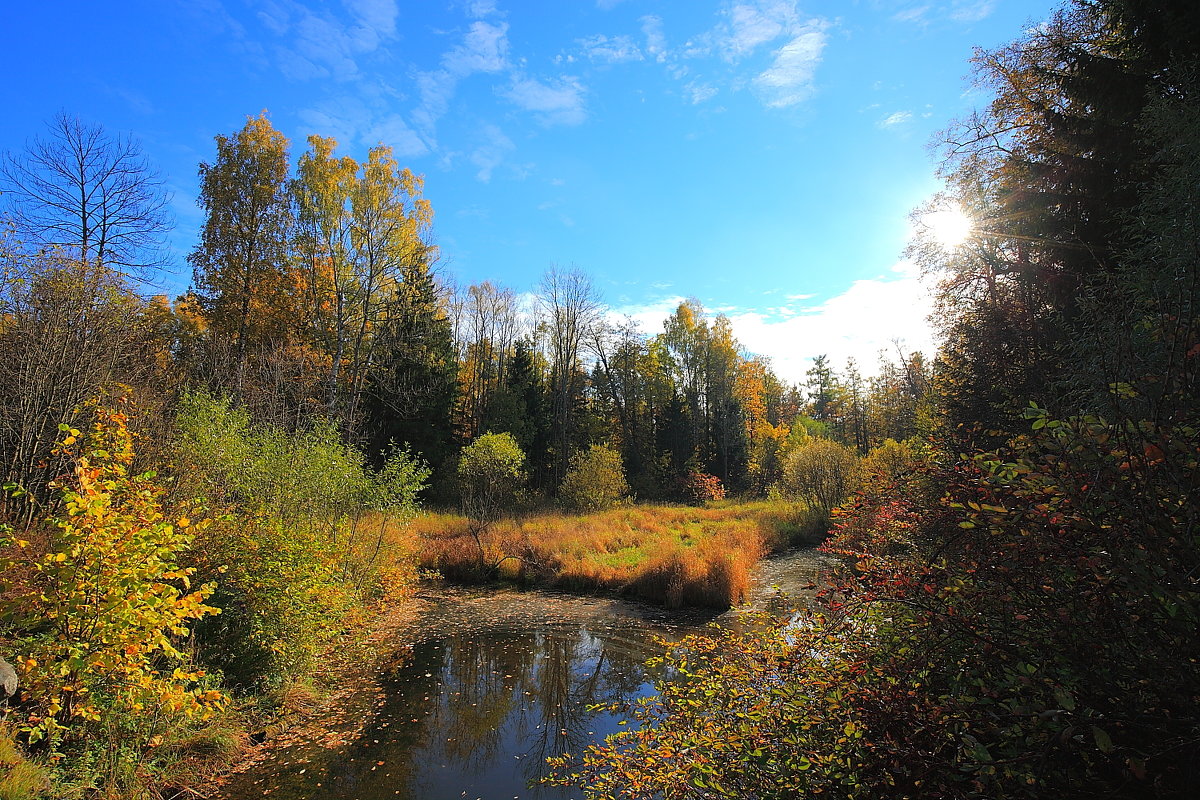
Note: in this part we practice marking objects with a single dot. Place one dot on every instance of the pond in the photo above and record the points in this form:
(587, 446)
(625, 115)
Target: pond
(497, 681)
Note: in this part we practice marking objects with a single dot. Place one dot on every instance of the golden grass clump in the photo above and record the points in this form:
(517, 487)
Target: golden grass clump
(20, 778)
(673, 555)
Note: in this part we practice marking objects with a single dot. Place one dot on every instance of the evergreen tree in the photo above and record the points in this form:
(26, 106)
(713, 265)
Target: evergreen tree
(412, 390)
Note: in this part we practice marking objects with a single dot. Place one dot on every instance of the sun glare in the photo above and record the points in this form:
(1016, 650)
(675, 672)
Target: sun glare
(950, 227)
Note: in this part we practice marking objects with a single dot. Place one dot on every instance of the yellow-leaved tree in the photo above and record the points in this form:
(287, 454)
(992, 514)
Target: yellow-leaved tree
(104, 605)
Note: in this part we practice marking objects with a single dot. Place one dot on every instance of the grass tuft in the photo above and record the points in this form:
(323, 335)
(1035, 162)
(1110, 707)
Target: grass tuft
(673, 555)
(20, 778)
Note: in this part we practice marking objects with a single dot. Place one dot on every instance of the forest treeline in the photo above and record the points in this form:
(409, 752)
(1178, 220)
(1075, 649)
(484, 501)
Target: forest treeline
(315, 297)
(1017, 613)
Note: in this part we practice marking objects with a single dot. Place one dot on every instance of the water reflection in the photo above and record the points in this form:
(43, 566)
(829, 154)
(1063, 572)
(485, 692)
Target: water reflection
(503, 682)
(496, 683)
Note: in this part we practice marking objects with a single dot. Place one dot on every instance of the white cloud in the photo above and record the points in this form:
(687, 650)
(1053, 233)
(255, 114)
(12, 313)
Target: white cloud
(343, 119)
(275, 17)
(491, 153)
(699, 92)
(481, 8)
(379, 15)
(971, 10)
(649, 316)
(656, 42)
(753, 25)
(789, 79)
(323, 41)
(614, 50)
(916, 14)
(435, 88)
(392, 130)
(608, 5)
(560, 102)
(859, 323)
(894, 119)
(483, 49)
(352, 121)
(965, 11)
(324, 45)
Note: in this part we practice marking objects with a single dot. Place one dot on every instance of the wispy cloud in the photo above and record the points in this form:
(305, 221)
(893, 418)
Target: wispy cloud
(789, 79)
(894, 119)
(971, 10)
(392, 130)
(656, 42)
(355, 121)
(559, 102)
(610, 50)
(917, 14)
(320, 44)
(378, 15)
(484, 48)
(963, 11)
(766, 45)
(752, 25)
(491, 152)
(699, 92)
(478, 9)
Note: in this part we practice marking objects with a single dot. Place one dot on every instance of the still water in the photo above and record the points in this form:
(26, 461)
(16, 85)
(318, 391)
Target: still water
(495, 682)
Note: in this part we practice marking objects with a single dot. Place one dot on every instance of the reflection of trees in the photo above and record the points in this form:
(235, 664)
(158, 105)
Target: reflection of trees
(577, 669)
(483, 673)
(392, 737)
(492, 701)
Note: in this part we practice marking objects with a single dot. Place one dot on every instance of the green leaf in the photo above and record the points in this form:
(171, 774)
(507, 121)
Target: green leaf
(1102, 740)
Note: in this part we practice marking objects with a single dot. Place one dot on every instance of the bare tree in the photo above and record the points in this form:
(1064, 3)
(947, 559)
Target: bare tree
(488, 325)
(72, 332)
(570, 306)
(91, 194)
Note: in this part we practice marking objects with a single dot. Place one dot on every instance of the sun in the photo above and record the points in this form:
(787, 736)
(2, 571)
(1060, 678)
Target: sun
(949, 227)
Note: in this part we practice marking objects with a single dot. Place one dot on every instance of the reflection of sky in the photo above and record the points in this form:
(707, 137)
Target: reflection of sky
(502, 682)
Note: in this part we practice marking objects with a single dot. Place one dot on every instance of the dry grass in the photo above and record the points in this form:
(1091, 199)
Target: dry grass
(20, 778)
(674, 555)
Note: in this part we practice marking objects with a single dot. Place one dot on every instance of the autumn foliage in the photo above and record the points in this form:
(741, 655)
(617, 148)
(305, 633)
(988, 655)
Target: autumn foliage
(107, 607)
(700, 487)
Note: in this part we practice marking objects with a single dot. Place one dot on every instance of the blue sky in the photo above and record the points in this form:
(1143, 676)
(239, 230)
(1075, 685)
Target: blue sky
(759, 155)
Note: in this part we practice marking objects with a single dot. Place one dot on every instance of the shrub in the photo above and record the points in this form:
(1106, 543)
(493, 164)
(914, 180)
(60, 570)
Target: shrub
(108, 604)
(302, 530)
(490, 471)
(821, 473)
(596, 479)
(700, 487)
(1021, 626)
